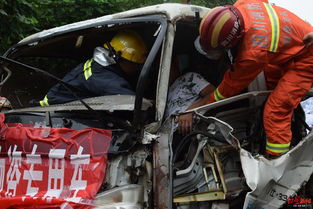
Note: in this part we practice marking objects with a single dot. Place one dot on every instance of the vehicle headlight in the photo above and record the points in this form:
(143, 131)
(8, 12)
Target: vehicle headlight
(124, 197)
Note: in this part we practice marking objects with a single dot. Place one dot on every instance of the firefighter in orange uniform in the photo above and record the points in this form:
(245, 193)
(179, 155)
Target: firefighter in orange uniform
(264, 36)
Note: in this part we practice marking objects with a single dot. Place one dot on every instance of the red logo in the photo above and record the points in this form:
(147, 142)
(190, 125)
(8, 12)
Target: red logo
(298, 201)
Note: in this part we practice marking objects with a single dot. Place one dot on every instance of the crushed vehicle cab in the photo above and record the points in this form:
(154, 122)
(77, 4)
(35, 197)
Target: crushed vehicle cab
(119, 151)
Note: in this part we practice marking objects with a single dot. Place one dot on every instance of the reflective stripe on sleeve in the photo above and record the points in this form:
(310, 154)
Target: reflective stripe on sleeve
(44, 102)
(218, 96)
(275, 27)
(87, 69)
(277, 148)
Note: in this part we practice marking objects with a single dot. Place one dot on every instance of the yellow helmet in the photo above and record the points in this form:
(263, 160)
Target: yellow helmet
(129, 45)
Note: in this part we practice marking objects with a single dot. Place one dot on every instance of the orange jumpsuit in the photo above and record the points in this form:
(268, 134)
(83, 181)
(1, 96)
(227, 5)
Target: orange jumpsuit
(273, 43)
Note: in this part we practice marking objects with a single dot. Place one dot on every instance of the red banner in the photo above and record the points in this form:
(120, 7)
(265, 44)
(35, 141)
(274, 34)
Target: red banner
(51, 167)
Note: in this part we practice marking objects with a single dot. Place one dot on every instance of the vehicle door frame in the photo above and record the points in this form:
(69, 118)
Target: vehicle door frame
(146, 69)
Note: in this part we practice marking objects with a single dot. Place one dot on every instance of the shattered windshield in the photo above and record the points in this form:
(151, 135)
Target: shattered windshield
(93, 65)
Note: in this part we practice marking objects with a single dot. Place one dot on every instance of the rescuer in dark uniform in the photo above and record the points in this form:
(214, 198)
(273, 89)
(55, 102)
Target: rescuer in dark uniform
(107, 73)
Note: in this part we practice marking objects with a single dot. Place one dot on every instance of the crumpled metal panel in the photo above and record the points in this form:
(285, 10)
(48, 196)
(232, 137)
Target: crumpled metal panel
(165, 65)
(171, 10)
(271, 181)
(109, 103)
(162, 156)
(65, 28)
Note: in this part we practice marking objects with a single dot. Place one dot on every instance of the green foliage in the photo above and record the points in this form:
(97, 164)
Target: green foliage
(20, 18)
(53, 13)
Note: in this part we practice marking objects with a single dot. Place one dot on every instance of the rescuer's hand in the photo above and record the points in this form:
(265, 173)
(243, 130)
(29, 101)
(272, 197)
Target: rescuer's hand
(184, 123)
(308, 39)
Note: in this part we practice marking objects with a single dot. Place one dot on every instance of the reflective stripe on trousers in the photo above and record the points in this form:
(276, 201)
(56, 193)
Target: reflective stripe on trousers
(277, 149)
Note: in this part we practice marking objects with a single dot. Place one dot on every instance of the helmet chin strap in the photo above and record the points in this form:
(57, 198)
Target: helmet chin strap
(112, 52)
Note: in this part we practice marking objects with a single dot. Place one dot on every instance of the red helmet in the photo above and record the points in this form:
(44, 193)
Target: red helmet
(222, 27)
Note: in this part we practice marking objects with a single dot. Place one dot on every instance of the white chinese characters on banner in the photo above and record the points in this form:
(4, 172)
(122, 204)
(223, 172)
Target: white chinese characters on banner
(77, 182)
(14, 174)
(56, 173)
(32, 175)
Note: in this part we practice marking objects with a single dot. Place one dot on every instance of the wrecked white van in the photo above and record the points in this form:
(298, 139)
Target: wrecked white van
(120, 151)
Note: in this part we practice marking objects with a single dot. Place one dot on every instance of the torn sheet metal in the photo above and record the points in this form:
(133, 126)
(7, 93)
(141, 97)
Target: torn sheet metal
(162, 178)
(148, 138)
(171, 10)
(110, 103)
(272, 181)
